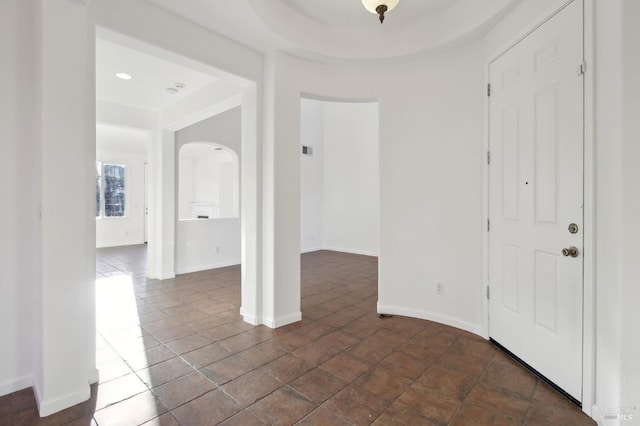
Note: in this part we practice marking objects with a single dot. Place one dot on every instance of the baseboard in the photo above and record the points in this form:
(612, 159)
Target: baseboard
(190, 269)
(94, 376)
(430, 316)
(47, 407)
(11, 386)
(166, 276)
(598, 416)
(351, 251)
(282, 321)
(107, 244)
(251, 319)
(311, 250)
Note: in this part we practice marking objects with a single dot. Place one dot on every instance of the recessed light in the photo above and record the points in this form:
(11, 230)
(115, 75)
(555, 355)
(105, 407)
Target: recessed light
(123, 76)
(180, 85)
(172, 90)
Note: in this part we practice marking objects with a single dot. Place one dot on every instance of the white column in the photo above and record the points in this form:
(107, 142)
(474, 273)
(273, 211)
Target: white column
(250, 198)
(161, 245)
(65, 330)
(281, 198)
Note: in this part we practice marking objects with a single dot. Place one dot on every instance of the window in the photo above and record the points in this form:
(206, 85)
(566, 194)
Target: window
(110, 190)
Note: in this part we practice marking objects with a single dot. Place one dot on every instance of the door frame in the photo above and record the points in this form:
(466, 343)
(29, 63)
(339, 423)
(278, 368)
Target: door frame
(588, 327)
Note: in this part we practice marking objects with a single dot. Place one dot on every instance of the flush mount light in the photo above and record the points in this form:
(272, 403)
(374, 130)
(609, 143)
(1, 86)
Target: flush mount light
(123, 76)
(380, 7)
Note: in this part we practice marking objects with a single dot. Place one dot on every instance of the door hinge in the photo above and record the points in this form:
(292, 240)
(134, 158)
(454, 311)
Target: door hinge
(488, 293)
(489, 89)
(488, 157)
(583, 68)
(488, 225)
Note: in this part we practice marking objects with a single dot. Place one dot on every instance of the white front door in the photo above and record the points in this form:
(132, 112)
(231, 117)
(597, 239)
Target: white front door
(535, 194)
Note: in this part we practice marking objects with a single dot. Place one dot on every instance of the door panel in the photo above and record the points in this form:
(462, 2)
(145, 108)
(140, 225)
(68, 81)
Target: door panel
(535, 192)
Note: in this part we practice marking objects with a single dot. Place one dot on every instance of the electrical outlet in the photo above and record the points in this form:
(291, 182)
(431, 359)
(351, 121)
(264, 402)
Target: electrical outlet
(440, 289)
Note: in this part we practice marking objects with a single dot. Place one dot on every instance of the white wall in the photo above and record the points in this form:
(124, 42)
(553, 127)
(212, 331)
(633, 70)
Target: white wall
(351, 178)
(186, 186)
(128, 230)
(340, 181)
(208, 243)
(430, 118)
(208, 181)
(20, 157)
(312, 176)
(630, 326)
(431, 190)
(618, 209)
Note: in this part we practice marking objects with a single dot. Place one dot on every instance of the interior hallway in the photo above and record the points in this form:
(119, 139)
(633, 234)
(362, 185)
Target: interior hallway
(177, 352)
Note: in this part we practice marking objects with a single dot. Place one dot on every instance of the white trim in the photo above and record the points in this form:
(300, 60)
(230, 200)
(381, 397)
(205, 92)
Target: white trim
(15, 385)
(589, 244)
(165, 276)
(430, 316)
(282, 321)
(48, 407)
(206, 267)
(251, 319)
(115, 243)
(94, 376)
(311, 250)
(547, 15)
(351, 251)
(596, 412)
(589, 241)
(485, 208)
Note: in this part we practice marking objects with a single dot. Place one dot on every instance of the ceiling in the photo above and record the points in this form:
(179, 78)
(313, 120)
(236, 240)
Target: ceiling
(151, 78)
(351, 12)
(343, 29)
(318, 29)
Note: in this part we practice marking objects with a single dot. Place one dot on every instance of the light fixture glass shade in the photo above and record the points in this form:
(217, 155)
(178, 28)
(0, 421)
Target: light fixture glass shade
(371, 5)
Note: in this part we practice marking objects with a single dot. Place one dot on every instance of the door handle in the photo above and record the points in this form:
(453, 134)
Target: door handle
(570, 252)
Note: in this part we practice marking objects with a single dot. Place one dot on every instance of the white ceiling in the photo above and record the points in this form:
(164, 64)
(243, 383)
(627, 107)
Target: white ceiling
(351, 12)
(343, 29)
(151, 77)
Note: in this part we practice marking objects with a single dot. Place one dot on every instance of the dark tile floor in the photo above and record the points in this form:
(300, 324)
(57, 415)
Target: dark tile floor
(177, 352)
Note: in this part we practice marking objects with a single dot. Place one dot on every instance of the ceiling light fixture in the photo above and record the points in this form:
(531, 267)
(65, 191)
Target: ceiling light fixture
(123, 76)
(380, 7)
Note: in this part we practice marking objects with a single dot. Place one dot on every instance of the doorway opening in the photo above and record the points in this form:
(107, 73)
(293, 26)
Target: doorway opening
(339, 203)
(168, 99)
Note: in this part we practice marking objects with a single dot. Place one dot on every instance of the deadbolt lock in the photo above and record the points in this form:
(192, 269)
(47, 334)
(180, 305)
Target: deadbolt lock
(573, 228)
(570, 252)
